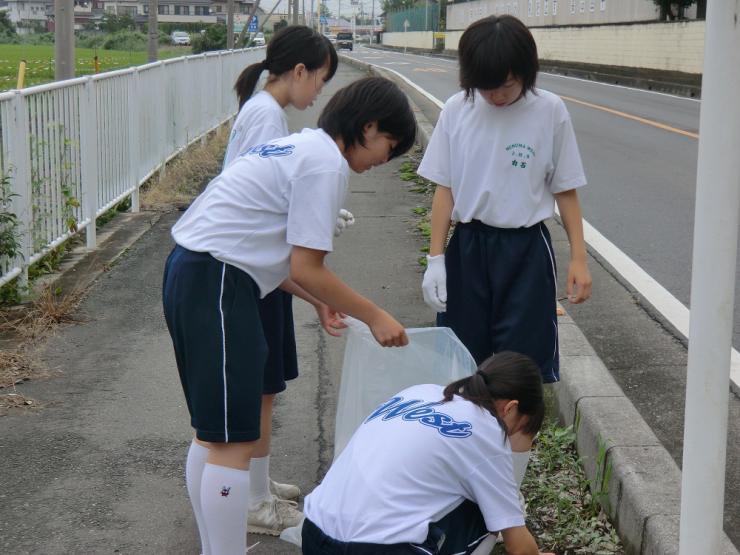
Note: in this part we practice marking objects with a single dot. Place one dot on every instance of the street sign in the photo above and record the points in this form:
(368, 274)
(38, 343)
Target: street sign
(406, 24)
(323, 20)
(253, 25)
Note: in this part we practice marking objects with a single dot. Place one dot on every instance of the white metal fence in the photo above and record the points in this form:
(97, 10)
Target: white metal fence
(71, 150)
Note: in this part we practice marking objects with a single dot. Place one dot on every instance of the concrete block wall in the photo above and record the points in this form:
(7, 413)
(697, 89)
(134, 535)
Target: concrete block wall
(410, 39)
(662, 46)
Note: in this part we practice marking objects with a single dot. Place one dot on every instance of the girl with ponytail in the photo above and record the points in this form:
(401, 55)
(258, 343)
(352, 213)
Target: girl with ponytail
(299, 61)
(432, 469)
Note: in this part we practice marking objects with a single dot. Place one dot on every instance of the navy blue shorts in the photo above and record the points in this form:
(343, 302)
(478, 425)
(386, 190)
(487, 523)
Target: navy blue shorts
(212, 316)
(276, 312)
(459, 532)
(502, 293)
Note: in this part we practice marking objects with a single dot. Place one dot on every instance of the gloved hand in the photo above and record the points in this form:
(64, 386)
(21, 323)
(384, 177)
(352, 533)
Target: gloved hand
(344, 220)
(434, 285)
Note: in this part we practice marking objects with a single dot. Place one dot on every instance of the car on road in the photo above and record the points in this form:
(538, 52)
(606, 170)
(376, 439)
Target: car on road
(259, 39)
(345, 40)
(180, 38)
(332, 38)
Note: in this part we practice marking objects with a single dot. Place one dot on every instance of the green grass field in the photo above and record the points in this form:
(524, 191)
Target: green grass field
(40, 61)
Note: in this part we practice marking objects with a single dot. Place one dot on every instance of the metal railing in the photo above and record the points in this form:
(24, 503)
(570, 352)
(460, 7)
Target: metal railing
(71, 150)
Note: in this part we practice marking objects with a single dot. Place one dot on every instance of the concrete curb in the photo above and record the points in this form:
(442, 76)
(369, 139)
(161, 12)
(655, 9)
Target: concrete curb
(621, 455)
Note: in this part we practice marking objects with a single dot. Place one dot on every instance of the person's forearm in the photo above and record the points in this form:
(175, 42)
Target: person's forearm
(442, 205)
(570, 213)
(326, 287)
(290, 286)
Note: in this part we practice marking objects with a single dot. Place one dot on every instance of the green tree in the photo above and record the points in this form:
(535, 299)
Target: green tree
(395, 5)
(112, 23)
(324, 10)
(6, 26)
(667, 7)
(214, 38)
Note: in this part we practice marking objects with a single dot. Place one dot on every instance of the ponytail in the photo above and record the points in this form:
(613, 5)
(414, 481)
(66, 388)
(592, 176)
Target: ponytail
(505, 375)
(247, 81)
(292, 45)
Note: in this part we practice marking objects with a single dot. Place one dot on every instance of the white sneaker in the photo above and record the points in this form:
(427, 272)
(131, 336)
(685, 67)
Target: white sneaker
(272, 516)
(284, 491)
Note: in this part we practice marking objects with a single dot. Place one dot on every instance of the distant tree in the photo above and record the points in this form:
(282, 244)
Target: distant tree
(213, 38)
(7, 29)
(667, 7)
(324, 10)
(112, 23)
(279, 25)
(395, 5)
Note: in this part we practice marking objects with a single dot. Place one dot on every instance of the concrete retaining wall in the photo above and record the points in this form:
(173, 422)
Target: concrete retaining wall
(410, 39)
(662, 46)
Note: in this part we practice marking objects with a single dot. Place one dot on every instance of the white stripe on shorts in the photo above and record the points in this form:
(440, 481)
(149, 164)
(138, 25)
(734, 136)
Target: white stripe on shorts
(555, 284)
(223, 352)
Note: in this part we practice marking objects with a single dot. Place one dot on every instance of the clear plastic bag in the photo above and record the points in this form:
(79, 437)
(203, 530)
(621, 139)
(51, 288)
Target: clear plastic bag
(371, 374)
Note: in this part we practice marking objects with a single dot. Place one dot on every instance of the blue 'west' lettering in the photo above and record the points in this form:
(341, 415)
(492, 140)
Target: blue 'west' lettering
(424, 414)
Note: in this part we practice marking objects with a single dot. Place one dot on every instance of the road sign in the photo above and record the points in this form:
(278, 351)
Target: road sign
(406, 24)
(323, 20)
(253, 25)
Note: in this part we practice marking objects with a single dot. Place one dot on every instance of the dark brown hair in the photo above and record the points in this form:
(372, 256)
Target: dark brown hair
(494, 47)
(505, 375)
(293, 45)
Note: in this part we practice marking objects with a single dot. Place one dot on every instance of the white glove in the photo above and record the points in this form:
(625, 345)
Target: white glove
(344, 220)
(434, 285)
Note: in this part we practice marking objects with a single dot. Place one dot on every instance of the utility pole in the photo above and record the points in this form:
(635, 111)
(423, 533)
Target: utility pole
(295, 12)
(64, 39)
(153, 32)
(230, 24)
(712, 286)
(372, 23)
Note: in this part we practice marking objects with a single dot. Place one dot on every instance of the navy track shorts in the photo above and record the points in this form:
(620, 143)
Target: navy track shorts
(212, 316)
(502, 293)
(276, 313)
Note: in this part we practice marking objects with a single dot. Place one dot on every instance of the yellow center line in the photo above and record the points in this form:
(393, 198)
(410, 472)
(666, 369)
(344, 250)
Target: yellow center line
(633, 118)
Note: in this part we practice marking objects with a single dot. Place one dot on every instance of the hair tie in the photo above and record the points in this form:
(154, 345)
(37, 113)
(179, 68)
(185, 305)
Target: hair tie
(482, 375)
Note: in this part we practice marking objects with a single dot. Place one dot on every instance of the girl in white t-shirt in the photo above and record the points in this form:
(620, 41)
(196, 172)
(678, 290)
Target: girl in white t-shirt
(266, 221)
(502, 154)
(299, 61)
(430, 470)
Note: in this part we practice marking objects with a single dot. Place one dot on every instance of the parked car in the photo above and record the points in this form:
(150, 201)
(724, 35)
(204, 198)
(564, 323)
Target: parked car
(345, 40)
(259, 39)
(332, 38)
(180, 38)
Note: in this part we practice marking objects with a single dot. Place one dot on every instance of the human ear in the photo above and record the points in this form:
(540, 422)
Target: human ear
(509, 406)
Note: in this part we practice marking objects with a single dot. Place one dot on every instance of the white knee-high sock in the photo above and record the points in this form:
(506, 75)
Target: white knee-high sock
(259, 481)
(197, 456)
(224, 497)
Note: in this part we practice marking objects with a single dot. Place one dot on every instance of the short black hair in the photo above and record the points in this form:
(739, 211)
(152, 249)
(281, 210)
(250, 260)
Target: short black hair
(292, 45)
(365, 101)
(494, 47)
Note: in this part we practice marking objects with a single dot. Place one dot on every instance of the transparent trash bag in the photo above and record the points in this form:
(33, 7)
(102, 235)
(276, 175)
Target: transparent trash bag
(372, 374)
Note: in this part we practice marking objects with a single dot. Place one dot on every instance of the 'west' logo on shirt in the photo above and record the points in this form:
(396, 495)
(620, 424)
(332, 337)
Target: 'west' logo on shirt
(424, 414)
(265, 151)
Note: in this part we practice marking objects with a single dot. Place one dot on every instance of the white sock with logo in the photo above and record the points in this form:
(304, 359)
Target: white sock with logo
(259, 481)
(224, 497)
(197, 456)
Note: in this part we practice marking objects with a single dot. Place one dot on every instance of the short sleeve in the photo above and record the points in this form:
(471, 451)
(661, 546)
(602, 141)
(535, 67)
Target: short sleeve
(243, 139)
(313, 206)
(567, 172)
(492, 487)
(435, 165)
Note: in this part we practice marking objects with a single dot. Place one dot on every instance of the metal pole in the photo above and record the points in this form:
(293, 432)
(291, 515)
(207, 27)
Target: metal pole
(153, 31)
(230, 24)
(295, 12)
(712, 285)
(426, 15)
(64, 39)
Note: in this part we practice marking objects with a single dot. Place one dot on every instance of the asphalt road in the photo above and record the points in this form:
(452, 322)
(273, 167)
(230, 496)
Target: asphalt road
(642, 177)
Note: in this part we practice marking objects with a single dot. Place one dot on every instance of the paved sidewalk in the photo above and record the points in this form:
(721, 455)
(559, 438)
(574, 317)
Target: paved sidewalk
(100, 469)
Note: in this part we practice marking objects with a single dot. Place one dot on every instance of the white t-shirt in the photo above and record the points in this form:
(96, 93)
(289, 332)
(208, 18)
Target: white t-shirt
(410, 463)
(276, 195)
(260, 120)
(504, 164)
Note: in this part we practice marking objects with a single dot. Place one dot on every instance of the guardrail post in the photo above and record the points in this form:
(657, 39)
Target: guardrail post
(133, 139)
(19, 147)
(89, 159)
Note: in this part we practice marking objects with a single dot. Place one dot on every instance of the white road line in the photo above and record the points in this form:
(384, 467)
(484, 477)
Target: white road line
(653, 292)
